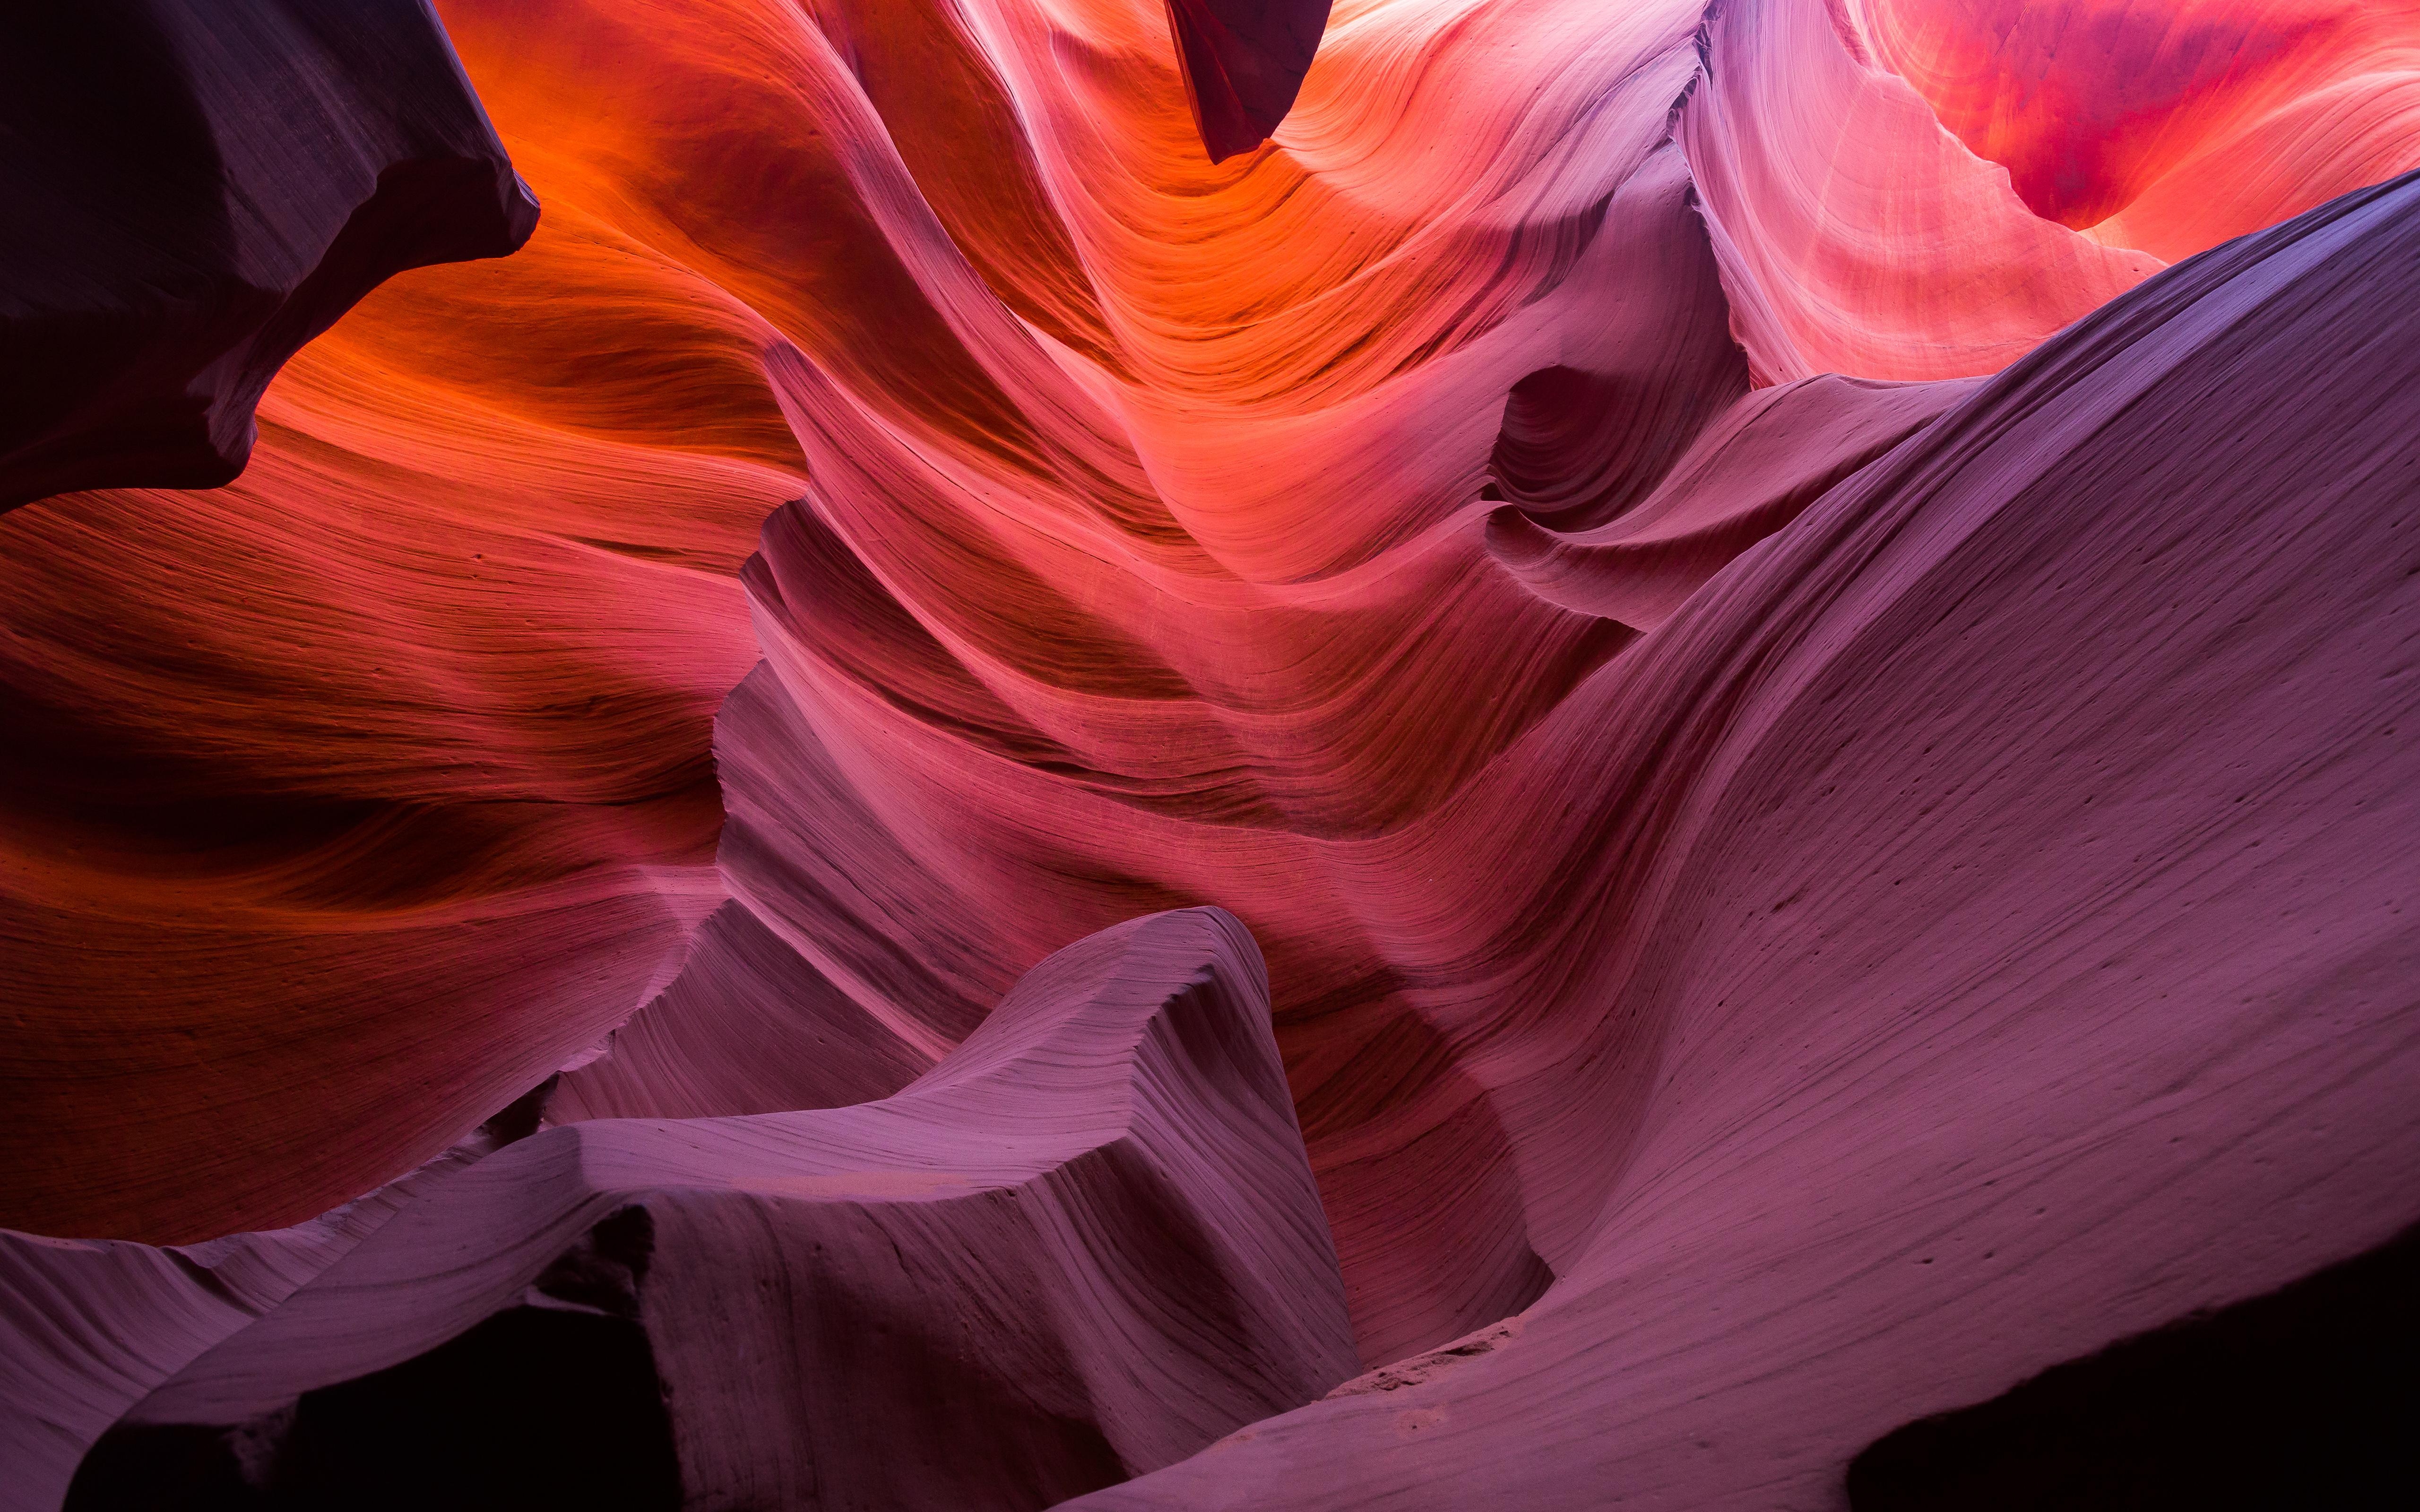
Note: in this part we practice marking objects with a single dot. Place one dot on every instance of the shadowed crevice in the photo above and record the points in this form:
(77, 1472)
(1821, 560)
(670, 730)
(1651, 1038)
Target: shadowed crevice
(2302, 1398)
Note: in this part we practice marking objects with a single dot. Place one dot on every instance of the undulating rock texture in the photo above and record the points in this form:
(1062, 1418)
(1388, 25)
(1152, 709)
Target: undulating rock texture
(368, 790)
(1809, 730)
(2009, 960)
(88, 1327)
(1084, 1245)
(2167, 127)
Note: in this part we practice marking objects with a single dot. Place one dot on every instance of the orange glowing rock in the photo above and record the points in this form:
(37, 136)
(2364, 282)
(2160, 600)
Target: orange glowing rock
(1530, 531)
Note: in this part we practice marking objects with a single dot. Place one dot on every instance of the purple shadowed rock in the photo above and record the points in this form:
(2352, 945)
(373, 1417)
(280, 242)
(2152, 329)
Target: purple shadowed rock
(196, 188)
(1084, 1245)
(1243, 62)
(2030, 965)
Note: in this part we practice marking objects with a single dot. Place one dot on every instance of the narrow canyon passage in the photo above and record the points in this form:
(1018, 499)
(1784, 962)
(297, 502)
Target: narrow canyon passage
(1776, 622)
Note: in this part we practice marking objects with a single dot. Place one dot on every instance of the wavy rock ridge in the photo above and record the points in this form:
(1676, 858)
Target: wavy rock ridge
(1742, 809)
(1084, 1245)
(2079, 1001)
(494, 532)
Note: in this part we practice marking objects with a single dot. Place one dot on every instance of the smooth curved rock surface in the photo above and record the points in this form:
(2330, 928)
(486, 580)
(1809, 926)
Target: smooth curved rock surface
(1084, 1245)
(954, 757)
(88, 1327)
(1387, 536)
(1895, 187)
(1748, 474)
(383, 773)
(1856, 236)
(2167, 127)
(749, 1025)
(416, 804)
(169, 242)
(2017, 963)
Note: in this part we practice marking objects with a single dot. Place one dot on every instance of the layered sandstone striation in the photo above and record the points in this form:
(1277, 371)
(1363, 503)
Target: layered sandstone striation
(2006, 956)
(1807, 728)
(1218, 470)
(1084, 1245)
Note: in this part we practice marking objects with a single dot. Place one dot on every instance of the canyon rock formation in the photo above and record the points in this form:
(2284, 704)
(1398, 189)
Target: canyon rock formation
(2018, 965)
(1084, 1245)
(171, 242)
(1243, 62)
(1786, 623)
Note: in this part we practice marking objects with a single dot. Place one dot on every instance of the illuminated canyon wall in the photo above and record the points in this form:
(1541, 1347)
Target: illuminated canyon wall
(1804, 726)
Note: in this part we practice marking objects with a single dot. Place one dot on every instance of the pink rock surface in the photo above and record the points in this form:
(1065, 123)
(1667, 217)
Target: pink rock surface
(2167, 127)
(2015, 961)
(996, 712)
(1803, 882)
(1084, 1245)
(1856, 235)
(88, 1327)
(384, 773)
(1749, 474)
